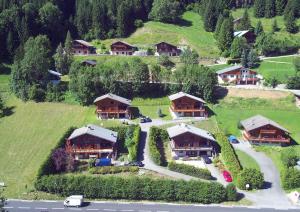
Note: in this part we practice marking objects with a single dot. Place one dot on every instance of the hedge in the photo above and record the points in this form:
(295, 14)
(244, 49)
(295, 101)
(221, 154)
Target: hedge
(132, 188)
(157, 137)
(190, 170)
(134, 148)
(229, 156)
(113, 169)
(47, 166)
(253, 177)
(291, 178)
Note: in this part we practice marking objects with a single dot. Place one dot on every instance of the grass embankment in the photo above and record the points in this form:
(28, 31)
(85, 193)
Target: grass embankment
(246, 160)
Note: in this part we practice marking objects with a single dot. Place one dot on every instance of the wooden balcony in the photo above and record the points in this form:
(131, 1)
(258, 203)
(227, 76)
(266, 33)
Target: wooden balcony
(278, 139)
(191, 148)
(89, 150)
(187, 109)
(110, 110)
(268, 131)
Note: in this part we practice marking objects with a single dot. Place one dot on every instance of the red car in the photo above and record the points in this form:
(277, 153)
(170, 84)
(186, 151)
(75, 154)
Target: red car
(227, 176)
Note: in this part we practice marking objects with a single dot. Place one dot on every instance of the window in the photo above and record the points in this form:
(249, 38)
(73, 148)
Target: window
(112, 102)
(232, 76)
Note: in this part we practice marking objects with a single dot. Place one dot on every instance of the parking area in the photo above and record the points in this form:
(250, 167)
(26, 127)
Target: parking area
(197, 163)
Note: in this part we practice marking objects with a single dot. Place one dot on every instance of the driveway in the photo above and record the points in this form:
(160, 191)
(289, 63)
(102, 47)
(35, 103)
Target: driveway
(272, 195)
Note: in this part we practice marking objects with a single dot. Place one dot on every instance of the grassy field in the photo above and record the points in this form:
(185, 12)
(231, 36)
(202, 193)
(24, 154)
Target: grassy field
(189, 32)
(246, 160)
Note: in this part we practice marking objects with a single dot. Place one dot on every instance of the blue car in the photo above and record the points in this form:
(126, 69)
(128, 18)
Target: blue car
(232, 139)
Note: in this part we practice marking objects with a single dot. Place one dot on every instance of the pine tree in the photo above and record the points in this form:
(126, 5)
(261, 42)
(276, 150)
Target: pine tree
(280, 5)
(244, 58)
(290, 23)
(225, 37)
(270, 9)
(259, 8)
(10, 43)
(122, 22)
(60, 59)
(237, 47)
(274, 26)
(252, 59)
(100, 19)
(245, 23)
(259, 28)
(218, 26)
(210, 18)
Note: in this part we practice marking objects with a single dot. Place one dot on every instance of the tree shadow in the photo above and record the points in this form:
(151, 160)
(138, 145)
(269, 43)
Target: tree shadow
(183, 23)
(240, 196)
(210, 112)
(142, 145)
(8, 111)
(5, 70)
(267, 185)
(220, 93)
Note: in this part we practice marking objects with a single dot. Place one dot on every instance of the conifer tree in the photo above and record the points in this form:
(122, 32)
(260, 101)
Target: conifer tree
(259, 8)
(245, 23)
(252, 59)
(290, 23)
(225, 37)
(280, 5)
(270, 9)
(237, 47)
(259, 28)
(274, 26)
(218, 26)
(244, 58)
(210, 18)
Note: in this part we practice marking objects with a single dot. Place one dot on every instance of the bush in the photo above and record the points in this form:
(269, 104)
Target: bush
(231, 192)
(190, 170)
(156, 138)
(252, 177)
(92, 162)
(138, 23)
(132, 142)
(289, 157)
(132, 188)
(229, 156)
(291, 178)
(113, 169)
(233, 61)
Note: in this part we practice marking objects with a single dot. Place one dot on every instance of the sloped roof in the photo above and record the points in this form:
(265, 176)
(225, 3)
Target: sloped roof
(96, 131)
(114, 97)
(166, 43)
(240, 33)
(55, 73)
(184, 128)
(296, 92)
(260, 121)
(231, 68)
(182, 94)
(119, 41)
(90, 62)
(85, 43)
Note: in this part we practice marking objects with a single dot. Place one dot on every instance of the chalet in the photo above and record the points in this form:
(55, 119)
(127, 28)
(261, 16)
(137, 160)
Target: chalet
(186, 105)
(237, 75)
(92, 142)
(250, 36)
(91, 63)
(297, 96)
(81, 47)
(112, 106)
(164, 48)
(122, 48)
(260, 130)
(189, 141)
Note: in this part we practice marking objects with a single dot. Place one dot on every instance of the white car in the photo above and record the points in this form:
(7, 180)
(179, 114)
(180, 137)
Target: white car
(74, 201)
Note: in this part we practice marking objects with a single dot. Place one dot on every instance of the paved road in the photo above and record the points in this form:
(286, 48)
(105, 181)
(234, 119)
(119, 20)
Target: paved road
(45, 206)
(272, 194)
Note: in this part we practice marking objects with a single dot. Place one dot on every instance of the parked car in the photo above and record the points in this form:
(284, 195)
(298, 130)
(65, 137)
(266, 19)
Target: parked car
(103, 162)
(135, 163)
(232, 139)
(227, 176)
(148, 119)
(206, 159)
(74, 201)
(142, 120)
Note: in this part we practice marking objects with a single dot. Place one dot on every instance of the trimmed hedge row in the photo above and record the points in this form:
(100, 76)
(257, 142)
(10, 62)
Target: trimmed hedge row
(132, 188)
(190, 170)
(290, 178)
(134, 148)
(156, 145)
(113, 169)
(253, 177)
(229, 156)
(48, 167)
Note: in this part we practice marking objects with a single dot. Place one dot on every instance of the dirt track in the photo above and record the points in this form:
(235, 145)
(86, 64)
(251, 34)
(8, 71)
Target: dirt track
(251, 93)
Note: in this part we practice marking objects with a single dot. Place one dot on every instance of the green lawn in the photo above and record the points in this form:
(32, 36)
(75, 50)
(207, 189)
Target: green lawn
(189, 32)
(246, 160)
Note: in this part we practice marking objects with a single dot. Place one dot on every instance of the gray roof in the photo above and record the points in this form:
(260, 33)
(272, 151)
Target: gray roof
(231, 68)
(260, 121)
(114, 97)
(296, 92)
(182, 94)
(55, 73)
(123, 42)
(240, 33)
(96, 131)
(85, 43)
(184, 128)
(91, 62)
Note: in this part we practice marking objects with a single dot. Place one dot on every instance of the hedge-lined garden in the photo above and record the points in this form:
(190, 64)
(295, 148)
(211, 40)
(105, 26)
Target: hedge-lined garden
(132, 188)
(157, 137)
(113, 169)
(190, 170)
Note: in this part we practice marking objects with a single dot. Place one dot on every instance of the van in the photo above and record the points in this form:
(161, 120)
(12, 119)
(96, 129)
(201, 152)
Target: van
(74, 201)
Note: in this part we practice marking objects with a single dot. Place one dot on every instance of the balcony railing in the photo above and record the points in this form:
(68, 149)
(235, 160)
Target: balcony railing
(202, 147)
(111, 111)
(268, 132)
(278, 139)
(89, 150)
(188, 109)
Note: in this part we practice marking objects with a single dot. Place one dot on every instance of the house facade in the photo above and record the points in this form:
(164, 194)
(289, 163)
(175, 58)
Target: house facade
(250, 36)
(164, 48)
(261, 130)
(81, 47)
(122, 48)
(112, 106)
(92, 142)
(238, 75)
(186, 105)
(189, 141)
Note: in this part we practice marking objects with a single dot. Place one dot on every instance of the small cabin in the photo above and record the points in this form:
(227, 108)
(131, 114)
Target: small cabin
(164, 48)
(81, 47)
(122, 48)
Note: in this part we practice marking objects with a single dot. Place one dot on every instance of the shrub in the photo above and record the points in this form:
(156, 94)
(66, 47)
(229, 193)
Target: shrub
(289, 157)
(231, 192)
(113, 169)
(291, 178)
(190, 170)
(253, 177)
(92, 162)
(132, 142)
(138, 23)
(132, 188)
(229, 156)
(156, 146)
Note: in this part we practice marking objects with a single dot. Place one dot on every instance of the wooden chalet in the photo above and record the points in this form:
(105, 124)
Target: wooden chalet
(81, 47)
(186, 105)
(249, 35)
(237, 75)
(92, 142)
(122, 48)
(189, 141)
(164, 48)
(112, 106)
(261, 130)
